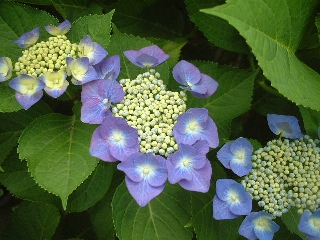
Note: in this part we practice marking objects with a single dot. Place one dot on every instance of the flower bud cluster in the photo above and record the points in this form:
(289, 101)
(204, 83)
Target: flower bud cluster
(152, 110)
(285, 174)
(46, 56)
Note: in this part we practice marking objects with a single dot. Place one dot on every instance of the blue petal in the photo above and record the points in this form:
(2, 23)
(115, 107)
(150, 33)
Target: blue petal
(5, 68)
(207, 83)
(222, 188)
(247, 227)
(130, 169)
(288, 126)
(108, 68)
(26, 101)
(185, 72)
(28, 39)
(224, 155)
(221, 209)
(62, 29)
(93, 111)
(306, 227)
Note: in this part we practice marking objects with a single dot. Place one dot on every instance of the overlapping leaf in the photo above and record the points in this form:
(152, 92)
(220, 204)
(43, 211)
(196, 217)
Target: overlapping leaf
(273, 29)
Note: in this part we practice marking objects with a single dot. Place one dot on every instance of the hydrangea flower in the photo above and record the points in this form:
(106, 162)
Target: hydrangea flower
(236, 155)
(5, 68)
(81, 70)
(146, 176)
(287, 126)
(62, 29)
(28, 90)
(258, 225)
(96, 97)
(56, 83)
(92, 50)
(195, 125)
(200, 85)
(190, 168)
(108, 68)
(150, 56)
(310, 224)
(231, 200)
(28, 39)
(114, 140)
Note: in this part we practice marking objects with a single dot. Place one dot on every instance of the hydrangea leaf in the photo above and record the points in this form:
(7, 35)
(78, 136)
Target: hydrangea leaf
(8, 101)
(56, 148)
(164, 217)
(121, 42)
(38, 221)
(273, 29)
(17, 179)
(216, 30)
(92, 189)
(291, 220)
(311, 121)
(232, 98)
(98, 27)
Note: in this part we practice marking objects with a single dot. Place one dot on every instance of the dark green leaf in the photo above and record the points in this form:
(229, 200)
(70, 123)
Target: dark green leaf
(311, 121)
(291, 220)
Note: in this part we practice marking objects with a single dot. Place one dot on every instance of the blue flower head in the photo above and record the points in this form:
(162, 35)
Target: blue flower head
(188, 75)
(195, 125)
(310, 224)
(28, 39)
(92, 50)
(96, 97)
(190, 168)
(258, 225)
(231, 200)
(146, 176)
(56, 83)
(62, 29)
(81, 70)
(287, 126)
(236, 155)
(114, 140)
(108, 68)
(150, 56)
(29, 90)
(5, 68)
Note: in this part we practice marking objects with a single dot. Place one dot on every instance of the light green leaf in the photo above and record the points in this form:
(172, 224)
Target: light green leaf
(291, 220)
(273, 29)
(163, 218)
(92, 189)
(232, 98)
(311, 120)
(57, 150)
(216, 30)
(31, 221)
(98, 27)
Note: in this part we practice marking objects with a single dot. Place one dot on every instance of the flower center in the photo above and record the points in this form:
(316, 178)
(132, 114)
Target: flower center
(315, 223)
(117, 137)
(105, 101)
(193, 126)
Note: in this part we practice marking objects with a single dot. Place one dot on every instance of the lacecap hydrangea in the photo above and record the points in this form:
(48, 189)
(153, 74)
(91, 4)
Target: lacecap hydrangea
(149, 128)
(279, 176)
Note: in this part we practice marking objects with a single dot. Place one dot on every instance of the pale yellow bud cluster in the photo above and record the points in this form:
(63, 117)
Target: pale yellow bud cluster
(46, 56)
(286, 174)
(152, 110)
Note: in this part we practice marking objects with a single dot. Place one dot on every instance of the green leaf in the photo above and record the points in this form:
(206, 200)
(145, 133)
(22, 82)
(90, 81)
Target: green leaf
(232, 98)
(122, 42)
(92, 189)
(274, 29)
(291, 220)
(17, 179)
(98, 27)
(8, 102)
(311, 121)
(32, 220)
(164, 217)
(12, 125)
(216, 30)
(57, 150)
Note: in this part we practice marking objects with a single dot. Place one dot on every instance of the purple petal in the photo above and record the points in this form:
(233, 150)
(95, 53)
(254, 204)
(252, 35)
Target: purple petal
(28, 39)
(224, 155)
(221, 209)
(94, 51)
(93, 111)
(288, 126)
(62, 29)
(26, 101)
(109, 68)
(206, 82)
(186, 73)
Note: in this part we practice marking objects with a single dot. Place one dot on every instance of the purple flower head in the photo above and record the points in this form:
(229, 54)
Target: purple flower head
(28, 90)
(236, 155)
(96, 97)
(195, 125)
(28, 39)
(5, 68)
(231, 200)
(287, 126)
(190, 168)
(150, 56)
(62, 29)
(92, 50)
(258, 225)
(81, 70)
(108, 68)
(56, 83)
(114, 140)
(146, 176)
(188, 75)
(310, 224)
